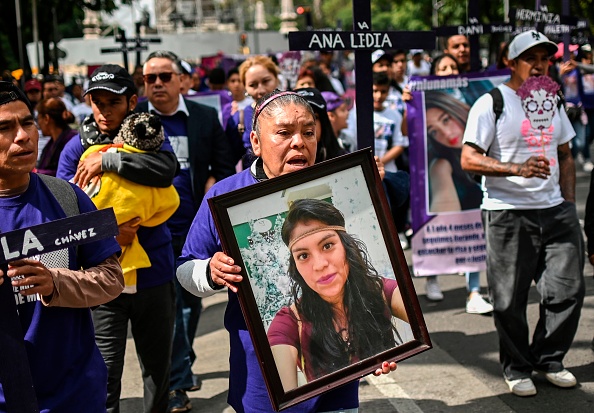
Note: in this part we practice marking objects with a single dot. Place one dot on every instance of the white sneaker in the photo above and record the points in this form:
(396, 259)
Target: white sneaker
(432, 289)
(521, 387)
(588, 166)
(477, 305)
(579, 159)
(403, 241)
(562, 378)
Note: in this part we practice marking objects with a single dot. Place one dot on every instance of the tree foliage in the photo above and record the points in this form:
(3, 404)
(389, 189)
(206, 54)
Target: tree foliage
(386, 15)
(68, 15)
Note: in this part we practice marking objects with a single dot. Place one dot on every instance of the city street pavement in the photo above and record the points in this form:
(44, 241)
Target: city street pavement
(461, 373)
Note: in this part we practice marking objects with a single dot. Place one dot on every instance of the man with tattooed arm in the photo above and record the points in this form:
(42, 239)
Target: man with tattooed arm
(529, 214)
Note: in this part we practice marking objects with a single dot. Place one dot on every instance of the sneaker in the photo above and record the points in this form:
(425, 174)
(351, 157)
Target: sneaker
(521, 387)
(579, 159)
(432, 289)
(178, 402)
(403, 241)
(477, 305)
(588, 166)
(562, 378)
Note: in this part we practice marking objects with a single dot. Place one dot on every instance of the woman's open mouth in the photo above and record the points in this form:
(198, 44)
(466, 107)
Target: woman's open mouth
(298, 161)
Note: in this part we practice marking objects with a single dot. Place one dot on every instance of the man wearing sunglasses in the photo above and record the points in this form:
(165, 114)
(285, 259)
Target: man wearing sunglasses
(203, 152)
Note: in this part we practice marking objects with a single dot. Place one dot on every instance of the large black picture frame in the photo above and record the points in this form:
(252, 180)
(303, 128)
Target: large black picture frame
(249, 220)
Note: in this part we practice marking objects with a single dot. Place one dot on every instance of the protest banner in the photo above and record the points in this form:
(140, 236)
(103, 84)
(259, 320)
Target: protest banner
(447, 229)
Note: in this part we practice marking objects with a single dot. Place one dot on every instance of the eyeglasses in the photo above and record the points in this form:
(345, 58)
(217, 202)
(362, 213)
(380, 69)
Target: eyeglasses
(152, 78)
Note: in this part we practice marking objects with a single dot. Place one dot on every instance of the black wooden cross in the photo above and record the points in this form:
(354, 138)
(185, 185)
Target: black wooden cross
(138, 44)
(363, 41)
(473, 30)
(15, 374)
(557, 27)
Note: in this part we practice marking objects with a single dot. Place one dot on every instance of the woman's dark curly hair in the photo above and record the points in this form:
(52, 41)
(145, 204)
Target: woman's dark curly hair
(370, 329)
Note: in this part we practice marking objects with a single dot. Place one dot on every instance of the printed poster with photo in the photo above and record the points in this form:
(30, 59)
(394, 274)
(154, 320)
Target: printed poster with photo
(448, 234)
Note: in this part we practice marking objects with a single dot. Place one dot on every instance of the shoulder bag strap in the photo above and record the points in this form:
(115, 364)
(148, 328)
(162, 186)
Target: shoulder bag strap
(64, 194)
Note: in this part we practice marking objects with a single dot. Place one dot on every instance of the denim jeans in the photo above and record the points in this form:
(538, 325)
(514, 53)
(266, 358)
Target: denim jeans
(151, 314)
(579, 143)
(473, 282)
(544, 246)
(187, 314)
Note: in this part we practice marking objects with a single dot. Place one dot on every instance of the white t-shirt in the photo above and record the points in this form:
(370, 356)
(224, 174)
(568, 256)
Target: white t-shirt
(514, 140)
(423, 70)
(387, 126)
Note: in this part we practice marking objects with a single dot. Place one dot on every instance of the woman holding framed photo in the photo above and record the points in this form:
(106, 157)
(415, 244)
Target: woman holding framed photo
(283, 140)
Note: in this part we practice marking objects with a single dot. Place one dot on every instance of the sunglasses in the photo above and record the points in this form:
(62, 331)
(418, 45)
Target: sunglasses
(152, 78)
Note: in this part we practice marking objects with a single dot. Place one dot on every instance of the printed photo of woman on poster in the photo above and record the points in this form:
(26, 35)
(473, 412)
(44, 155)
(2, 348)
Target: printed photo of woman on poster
(450, 188)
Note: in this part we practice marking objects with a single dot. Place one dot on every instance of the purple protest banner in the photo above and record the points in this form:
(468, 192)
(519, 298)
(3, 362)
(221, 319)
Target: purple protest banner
(447, 229)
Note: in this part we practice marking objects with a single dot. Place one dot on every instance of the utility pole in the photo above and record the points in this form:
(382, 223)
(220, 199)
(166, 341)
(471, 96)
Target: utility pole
(36, 35)
(17, 5)
(55, 33)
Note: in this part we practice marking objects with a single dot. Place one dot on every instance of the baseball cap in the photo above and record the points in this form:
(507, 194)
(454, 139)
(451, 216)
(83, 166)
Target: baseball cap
(32, 84)
(380, 54)
(185, 67)
(113, 78)
(10, 93)
(416, 51)
(314, 98)
(333, 101)
(527, 40)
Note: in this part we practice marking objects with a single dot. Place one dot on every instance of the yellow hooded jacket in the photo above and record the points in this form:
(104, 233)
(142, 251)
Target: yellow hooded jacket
(129, 200)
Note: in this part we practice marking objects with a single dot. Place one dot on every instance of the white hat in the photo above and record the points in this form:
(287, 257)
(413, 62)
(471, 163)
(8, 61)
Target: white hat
(378, 54)
(528, 40)
(416, 51)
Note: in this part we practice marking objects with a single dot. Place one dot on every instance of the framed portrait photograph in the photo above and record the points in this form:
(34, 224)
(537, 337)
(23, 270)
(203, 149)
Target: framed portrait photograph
(327, 295)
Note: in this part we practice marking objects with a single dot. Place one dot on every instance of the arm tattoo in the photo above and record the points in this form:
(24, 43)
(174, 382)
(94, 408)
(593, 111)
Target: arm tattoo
(476, 161)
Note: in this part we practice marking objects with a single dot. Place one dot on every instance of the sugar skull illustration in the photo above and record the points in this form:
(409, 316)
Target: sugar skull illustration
(539, 98)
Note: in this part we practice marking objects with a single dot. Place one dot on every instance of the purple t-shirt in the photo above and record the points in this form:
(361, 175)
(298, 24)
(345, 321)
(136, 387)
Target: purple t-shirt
(247, 389)
(176, 131)
(156, 241)
(67, 368)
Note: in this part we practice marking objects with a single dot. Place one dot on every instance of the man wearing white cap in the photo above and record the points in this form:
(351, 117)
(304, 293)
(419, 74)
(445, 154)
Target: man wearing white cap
(417, 66)
(531, 225)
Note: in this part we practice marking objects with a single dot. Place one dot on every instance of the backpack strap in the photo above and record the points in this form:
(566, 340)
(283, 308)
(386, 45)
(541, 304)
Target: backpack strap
(561, 102)
(497, 102)
(63, 193)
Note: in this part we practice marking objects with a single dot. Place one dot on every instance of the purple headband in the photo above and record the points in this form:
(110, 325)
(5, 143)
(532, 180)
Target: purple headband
(270, 99)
